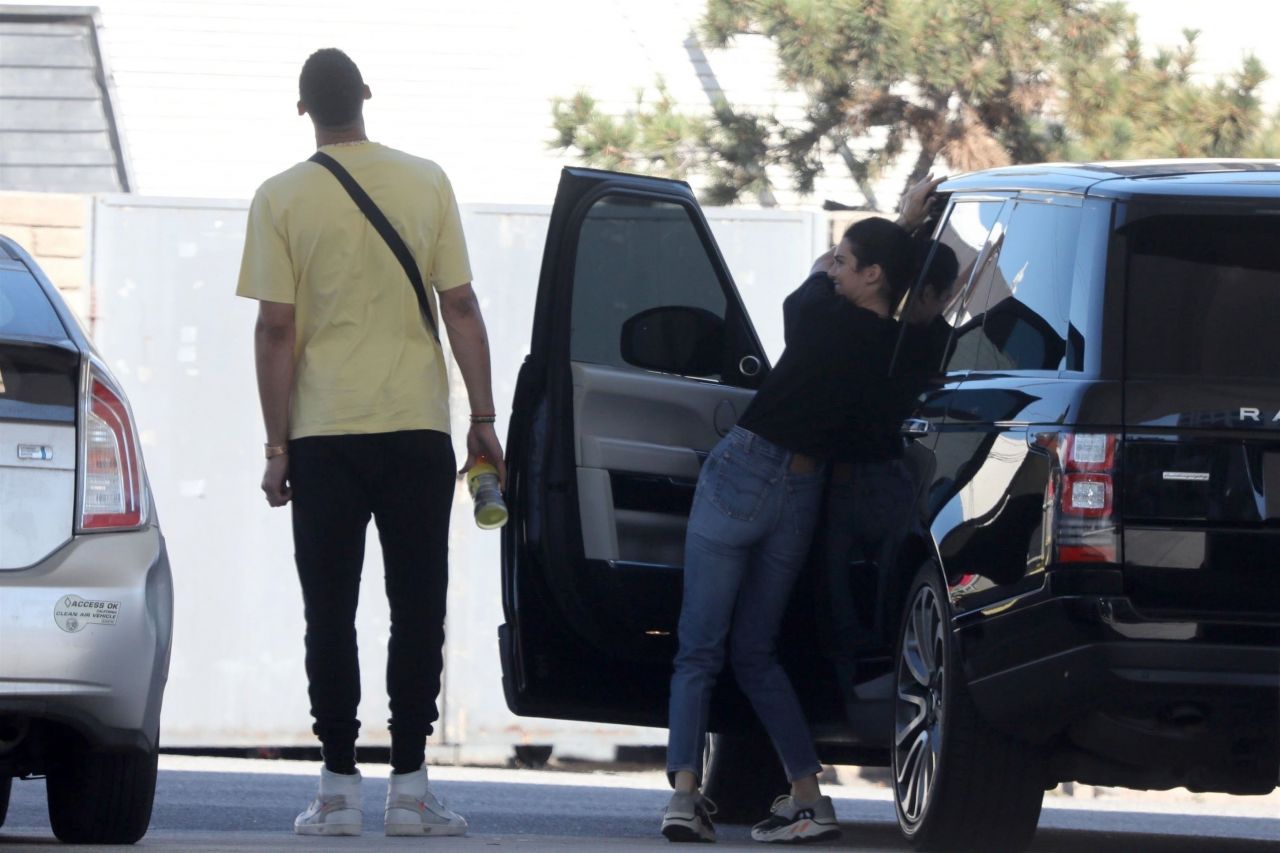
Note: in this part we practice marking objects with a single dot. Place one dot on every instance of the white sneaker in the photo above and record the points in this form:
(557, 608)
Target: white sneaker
(336, 808)
(413, 810)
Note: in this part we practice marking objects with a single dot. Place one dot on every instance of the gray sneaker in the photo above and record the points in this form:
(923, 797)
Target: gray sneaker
(688, 818)
(793, 821)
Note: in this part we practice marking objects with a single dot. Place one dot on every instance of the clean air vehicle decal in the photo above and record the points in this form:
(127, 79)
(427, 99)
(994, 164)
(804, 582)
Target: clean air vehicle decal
(73, 612)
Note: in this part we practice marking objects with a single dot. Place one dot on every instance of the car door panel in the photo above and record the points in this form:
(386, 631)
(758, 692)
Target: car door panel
(607, 435)
(641, 439)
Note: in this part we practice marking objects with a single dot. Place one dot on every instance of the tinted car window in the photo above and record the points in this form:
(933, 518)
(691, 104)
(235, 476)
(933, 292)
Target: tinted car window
(965, 233)
(1203, 296)
(24, 309)
(38, 382)
(1024, 297)
(635, 255)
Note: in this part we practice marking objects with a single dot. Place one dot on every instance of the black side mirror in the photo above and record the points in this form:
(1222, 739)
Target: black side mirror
(675, 339)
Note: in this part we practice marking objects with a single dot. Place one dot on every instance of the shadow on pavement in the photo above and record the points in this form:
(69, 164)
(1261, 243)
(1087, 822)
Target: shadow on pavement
(209, 803)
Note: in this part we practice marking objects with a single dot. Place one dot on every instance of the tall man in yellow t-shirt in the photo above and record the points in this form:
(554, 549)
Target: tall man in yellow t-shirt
(355, 401)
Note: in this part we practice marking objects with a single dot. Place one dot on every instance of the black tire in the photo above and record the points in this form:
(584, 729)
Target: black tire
(743, 776)
(101, 798)
(958, 784)
(6, 786)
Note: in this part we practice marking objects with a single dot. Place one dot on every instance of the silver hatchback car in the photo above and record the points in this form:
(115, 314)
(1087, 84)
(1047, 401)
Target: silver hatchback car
(86, 597)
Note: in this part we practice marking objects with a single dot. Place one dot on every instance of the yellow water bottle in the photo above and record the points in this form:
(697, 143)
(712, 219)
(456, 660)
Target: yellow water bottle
(482, 482)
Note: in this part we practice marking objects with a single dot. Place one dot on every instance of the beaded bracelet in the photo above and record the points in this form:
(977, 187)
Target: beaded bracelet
(484, 419)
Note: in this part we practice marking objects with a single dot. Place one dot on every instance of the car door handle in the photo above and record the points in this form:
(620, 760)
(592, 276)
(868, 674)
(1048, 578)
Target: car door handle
(915, 427)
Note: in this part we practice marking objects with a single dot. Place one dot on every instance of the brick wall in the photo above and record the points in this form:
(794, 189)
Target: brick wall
(54, 229)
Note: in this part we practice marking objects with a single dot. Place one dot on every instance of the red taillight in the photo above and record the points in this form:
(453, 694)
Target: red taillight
(1089, 451)
(1079, 506)
(1086, 495)
(111, 477)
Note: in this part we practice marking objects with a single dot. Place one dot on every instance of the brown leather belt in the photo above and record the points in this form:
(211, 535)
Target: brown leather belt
(801, 464)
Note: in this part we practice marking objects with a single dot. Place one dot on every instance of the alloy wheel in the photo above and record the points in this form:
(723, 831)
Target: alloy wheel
(919, 710)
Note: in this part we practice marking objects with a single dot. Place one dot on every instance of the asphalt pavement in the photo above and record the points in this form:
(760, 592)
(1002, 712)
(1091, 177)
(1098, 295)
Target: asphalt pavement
(206, 804)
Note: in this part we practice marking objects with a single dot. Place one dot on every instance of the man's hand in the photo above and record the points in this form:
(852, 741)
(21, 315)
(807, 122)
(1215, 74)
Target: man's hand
(483, 441)
(917, 202)
(275, 480)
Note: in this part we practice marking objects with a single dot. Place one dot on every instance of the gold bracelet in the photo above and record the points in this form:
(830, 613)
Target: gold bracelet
(274, 450)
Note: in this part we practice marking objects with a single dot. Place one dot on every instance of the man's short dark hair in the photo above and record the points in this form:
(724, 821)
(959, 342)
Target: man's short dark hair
(943, 267)
(331, 88)
(879, 241)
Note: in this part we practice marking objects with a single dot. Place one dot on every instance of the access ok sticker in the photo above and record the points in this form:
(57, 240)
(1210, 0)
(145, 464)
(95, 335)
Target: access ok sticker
(73, 612)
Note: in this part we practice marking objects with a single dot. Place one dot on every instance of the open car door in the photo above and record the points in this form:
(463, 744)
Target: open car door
(641, 359)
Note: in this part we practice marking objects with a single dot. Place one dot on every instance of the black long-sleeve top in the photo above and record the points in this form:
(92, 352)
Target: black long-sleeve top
(829, 395)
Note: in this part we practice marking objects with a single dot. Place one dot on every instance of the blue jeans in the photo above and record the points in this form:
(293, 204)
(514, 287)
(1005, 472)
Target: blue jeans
(749, 535)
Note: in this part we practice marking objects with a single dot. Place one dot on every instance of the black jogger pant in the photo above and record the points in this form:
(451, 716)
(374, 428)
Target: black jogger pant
(405, 481)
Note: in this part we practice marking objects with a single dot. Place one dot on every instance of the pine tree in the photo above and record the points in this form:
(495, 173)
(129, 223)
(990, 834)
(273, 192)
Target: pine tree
(966, 83)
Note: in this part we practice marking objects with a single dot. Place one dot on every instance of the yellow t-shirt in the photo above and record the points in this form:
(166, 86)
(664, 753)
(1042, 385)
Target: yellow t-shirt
(365, 361)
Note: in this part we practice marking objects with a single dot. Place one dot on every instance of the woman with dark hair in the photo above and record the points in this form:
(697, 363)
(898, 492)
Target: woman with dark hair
(757, 504)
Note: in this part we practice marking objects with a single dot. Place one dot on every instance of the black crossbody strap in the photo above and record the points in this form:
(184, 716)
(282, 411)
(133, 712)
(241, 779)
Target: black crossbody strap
(384, 227)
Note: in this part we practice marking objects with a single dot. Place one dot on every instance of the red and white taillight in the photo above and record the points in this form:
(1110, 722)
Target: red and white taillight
(112, 493)
(1081, 524)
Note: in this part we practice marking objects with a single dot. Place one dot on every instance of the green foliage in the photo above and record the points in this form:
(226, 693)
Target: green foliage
(974, 83)
(1123, 104)
(651, 138)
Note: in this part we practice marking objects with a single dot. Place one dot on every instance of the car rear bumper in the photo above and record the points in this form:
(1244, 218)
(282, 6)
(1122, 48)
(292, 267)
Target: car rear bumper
(1039, 669)
(85, 638)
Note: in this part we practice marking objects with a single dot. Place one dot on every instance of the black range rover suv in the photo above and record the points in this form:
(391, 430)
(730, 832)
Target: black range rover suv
(1085, 584)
